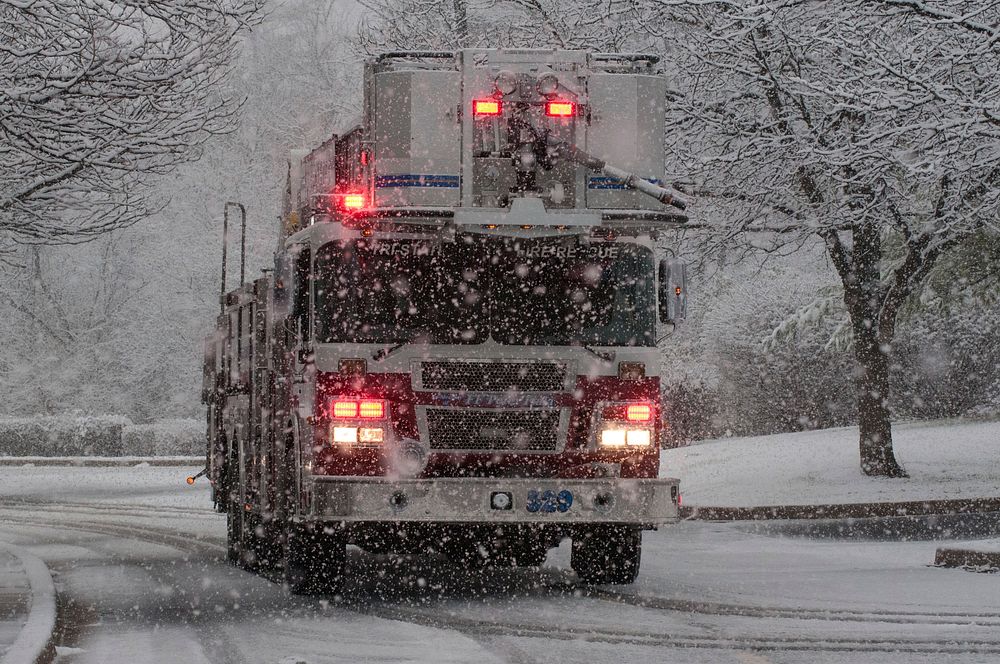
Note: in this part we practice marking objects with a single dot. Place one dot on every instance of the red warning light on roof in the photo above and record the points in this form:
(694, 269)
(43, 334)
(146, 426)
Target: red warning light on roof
(486, 107)
(560, 109)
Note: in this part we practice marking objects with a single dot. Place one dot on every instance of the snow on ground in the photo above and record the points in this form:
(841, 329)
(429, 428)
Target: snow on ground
(945, 460)
(106, 533)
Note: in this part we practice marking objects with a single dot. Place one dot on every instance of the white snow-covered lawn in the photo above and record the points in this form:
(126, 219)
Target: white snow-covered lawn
(945, 460)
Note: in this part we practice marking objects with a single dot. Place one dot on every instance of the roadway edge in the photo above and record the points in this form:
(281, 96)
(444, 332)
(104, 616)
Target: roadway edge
(842, 511)
(969, 559)
(36, 634)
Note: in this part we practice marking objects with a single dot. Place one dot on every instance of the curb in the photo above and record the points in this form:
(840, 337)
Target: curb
(33, 639)
(843, 511)
(978, 561)
(109, 462)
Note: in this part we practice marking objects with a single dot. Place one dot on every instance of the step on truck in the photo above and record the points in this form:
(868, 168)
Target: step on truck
(455, 352)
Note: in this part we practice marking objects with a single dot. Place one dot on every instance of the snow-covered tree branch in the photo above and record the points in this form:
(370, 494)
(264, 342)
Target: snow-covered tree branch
(872, 125)
(98, 96)
(601, 25)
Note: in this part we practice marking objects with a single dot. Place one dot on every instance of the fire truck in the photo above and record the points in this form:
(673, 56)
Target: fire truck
(455, 352)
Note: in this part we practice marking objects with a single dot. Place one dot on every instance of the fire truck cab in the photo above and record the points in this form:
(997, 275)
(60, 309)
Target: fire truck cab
(456, 350)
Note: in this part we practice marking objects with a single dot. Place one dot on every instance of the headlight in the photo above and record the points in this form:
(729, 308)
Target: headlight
(613, 438)
(345, 435)
(637, 438)
(618, 437)
(625, 424)
(371, 434)
(353, 435)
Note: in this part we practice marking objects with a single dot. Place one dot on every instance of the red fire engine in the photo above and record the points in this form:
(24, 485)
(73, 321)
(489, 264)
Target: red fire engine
(456, 350)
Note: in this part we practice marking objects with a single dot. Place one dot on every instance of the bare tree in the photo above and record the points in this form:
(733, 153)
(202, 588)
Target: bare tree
(603, 25)
(873, 127)
(97, 96)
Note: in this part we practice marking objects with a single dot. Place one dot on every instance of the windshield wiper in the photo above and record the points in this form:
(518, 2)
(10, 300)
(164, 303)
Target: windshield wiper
(383, 353)
(607, 357)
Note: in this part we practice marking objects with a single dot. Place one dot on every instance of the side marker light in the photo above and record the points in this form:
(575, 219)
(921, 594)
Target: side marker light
(560, 109)
(486, 107)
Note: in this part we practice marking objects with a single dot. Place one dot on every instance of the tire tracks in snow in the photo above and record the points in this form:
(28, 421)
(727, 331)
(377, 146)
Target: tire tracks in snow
(490, 632)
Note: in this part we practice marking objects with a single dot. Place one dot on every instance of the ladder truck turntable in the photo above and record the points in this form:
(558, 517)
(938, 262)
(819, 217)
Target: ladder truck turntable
(456, 350)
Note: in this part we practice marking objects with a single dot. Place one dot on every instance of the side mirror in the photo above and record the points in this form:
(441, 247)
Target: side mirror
(282, 302)
(672, 290)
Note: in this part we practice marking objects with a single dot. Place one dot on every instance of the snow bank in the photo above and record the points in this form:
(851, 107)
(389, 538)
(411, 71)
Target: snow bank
(109, 436)
(945, 460)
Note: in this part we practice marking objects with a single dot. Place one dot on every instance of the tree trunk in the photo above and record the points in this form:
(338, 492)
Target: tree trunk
(462, 22)
(860, 272)
(877, 456)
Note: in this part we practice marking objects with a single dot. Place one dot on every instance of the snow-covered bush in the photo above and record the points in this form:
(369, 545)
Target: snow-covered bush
(65, 435)
(690, 412)
(108, 435)
(165, 438)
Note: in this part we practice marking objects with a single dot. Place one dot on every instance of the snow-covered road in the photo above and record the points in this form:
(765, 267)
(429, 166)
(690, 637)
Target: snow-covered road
(138, 559)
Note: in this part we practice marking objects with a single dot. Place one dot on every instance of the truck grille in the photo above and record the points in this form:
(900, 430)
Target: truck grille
(493, 430)
(493, 376)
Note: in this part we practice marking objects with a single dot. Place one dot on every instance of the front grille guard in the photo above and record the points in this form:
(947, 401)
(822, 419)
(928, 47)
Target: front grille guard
(491, 376)
(549, 435)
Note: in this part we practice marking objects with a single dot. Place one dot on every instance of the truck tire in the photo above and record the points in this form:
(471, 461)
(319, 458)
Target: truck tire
(256, 555)
(234, 533)
(609, 554)
(314, 561)
(265, 542)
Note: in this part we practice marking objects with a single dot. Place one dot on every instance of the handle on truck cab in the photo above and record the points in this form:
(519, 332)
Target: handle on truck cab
(225, 244)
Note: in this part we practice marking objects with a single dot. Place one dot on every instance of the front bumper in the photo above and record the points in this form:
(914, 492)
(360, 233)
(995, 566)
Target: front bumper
(639, 502)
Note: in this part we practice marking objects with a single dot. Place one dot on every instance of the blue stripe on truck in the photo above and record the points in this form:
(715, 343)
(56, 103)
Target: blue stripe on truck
(416, 180)
(599, 182)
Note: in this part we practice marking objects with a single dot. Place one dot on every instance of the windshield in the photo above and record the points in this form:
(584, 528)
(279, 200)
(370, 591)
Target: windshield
(517, 291)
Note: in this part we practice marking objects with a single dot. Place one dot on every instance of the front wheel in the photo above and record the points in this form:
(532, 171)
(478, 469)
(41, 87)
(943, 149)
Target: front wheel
(609, 554)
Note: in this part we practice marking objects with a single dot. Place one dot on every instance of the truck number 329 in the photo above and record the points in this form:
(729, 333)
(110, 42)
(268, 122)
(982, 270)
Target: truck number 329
(549, 501)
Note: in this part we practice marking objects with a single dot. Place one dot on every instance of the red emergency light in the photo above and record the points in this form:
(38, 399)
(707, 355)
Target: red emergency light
(357, 408)
(638, 412)
(629, 412)
(352, 202)
(486, 107)
(560, 109)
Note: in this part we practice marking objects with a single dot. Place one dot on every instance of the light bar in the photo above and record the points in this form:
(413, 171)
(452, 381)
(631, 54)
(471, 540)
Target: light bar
(486, 107)
(560, 109)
